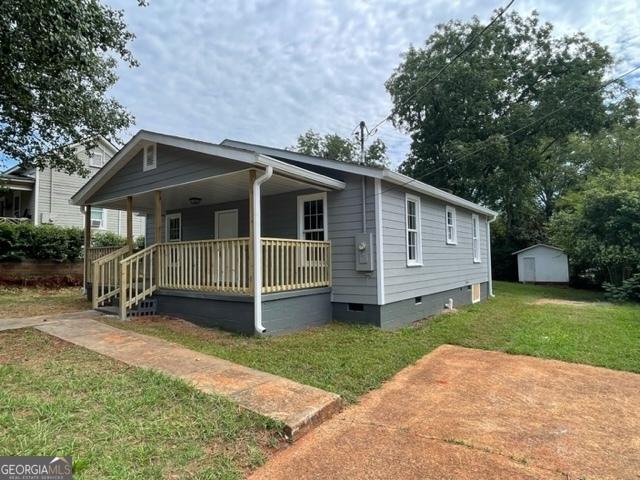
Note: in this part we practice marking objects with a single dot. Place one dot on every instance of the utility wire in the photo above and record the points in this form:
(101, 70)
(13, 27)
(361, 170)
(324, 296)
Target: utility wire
(453, 60)
(525, 127)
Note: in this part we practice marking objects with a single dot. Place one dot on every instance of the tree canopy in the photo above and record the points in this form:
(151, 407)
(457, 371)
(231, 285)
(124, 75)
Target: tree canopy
(58, 61)
(339, 148)
(494, 126)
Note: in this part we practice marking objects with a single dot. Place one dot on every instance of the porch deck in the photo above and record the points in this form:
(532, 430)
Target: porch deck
(210, 266)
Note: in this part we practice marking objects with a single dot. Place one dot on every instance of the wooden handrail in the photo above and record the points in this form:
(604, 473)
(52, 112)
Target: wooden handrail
(105, 280)
(138, 278)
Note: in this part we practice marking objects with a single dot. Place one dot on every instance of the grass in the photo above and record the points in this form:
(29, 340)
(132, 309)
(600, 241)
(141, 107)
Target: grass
(350, 360)
(18, 302)
(119, 422)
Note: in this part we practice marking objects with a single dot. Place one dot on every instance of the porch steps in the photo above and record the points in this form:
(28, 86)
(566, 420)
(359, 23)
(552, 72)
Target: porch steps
(298, 407)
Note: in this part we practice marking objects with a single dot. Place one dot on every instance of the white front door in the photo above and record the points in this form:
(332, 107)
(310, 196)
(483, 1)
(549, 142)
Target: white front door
(226, 224)
(529, 264)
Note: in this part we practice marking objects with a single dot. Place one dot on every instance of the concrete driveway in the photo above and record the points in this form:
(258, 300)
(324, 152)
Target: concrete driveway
(471, 414)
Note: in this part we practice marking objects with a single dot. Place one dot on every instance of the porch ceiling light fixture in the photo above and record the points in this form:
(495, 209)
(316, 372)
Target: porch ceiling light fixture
(195, 200)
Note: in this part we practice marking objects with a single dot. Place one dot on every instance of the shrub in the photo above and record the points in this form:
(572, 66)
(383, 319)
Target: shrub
(40, 242)
(628, 291)
(139, 242)
(107, 239)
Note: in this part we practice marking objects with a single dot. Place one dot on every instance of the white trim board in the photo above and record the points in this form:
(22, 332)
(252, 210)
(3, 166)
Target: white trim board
(379, 242)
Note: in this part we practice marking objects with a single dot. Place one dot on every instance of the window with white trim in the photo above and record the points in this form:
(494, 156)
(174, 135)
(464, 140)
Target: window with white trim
(98, 218)
(414, 230)
(450, 219)
(312, 217)
(475, 237)
(173, 222)
(96, 158)
(149, 159)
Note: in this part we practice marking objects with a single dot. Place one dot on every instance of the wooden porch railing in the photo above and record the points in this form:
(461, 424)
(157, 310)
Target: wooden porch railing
(211, 265)
(13, 220)
(93, 254)
(105, 276)
(138, 278)
(295, 264)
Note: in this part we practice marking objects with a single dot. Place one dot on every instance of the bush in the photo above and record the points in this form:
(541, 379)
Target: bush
(107, 239)
(628, 291)
(41, 242)
(139, 242)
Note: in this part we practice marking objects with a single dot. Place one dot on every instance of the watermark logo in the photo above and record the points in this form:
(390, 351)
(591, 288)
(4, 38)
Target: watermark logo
(35, 468)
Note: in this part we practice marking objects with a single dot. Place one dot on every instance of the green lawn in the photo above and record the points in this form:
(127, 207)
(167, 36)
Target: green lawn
(30, 301)
(118, 422)
(351, 360)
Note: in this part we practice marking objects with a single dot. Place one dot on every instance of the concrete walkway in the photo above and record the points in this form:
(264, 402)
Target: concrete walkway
(297, 406)
(473, 414)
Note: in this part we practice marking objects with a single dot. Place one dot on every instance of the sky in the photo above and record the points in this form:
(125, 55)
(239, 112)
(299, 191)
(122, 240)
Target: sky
(265, 71)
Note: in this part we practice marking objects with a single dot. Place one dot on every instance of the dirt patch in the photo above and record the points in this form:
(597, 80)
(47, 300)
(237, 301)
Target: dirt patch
(571, 303)
(473, 414)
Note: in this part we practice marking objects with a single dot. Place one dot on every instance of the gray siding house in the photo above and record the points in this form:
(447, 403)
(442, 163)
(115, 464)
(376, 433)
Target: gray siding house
(41, 196)
(258, 239)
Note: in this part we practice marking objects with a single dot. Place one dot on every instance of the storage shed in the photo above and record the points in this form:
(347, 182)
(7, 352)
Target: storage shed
(542, 264)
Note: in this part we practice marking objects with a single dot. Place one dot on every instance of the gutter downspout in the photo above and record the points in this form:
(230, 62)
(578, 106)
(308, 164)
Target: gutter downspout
(36, 199)
(489, 222)
(257, 251)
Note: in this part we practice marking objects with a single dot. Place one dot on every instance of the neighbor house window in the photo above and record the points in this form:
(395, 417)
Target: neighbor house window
(475, 237)
(96, 159)
(150, 157)
(98, 218)
(450, 216)
(414, 233)
(174, 227)
(312, 217)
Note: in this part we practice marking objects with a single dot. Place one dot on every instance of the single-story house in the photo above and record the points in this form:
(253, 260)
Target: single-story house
(259, 239)
(542, 264)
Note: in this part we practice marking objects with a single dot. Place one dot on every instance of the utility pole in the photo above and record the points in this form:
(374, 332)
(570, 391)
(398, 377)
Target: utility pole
(362, 128)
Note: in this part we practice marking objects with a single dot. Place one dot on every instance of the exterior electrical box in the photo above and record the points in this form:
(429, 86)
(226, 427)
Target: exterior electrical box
(364, 252)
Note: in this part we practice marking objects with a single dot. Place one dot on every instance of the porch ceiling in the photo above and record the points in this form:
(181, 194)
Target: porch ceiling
(221, 189)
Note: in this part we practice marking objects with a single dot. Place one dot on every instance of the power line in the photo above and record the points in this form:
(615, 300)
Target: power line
(453, 60)
(525, 127)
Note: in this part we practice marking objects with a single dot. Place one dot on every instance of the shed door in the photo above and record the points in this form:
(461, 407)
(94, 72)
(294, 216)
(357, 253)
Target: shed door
(529, 265)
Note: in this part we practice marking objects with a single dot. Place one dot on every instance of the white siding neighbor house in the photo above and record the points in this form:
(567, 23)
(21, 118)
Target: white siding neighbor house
(43, 196)
(542, 264)
(259, 239)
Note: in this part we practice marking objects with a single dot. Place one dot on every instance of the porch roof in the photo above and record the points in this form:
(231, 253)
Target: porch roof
(257, 160)
(16, 182)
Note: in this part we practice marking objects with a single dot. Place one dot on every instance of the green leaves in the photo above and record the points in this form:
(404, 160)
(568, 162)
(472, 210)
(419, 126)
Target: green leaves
(335, 147)
(57, 62)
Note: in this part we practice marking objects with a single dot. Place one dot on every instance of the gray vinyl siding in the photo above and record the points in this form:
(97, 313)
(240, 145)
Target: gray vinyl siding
(445, 267)
(55, 190)
(174, 166)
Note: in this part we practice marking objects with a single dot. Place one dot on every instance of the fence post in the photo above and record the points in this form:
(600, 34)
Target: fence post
(123, 291)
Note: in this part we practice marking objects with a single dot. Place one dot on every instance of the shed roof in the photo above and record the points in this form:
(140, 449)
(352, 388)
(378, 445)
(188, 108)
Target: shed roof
(538, 245)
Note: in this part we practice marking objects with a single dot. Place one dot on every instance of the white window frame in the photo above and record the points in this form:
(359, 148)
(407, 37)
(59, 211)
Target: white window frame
(93, 156)
(103, 220)
(325, 214)
(152, 147)
(167, 221)
(475, 238)
(453, 240)
(413, 262)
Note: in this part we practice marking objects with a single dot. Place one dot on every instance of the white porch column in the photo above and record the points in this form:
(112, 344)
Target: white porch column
(87, 244)
(257, 250)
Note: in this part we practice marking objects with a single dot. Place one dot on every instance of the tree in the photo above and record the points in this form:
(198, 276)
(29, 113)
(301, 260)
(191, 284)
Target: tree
(58, 62)
(599, 226)
(335, 147)
(516, 74)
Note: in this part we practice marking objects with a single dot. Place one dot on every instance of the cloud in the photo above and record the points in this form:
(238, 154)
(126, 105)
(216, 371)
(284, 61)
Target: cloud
(266, 70)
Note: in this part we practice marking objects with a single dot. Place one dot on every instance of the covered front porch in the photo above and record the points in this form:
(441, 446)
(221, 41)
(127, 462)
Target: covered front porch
(233, 247)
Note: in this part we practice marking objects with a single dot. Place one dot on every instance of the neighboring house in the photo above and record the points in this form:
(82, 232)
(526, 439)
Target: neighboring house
(542, 264)
(253, 238)
(42, 196)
